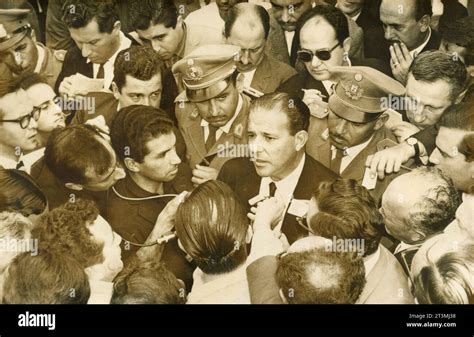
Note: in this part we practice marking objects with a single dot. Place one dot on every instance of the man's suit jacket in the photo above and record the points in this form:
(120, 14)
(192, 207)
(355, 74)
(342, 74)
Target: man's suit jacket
(320, 148)
(241, 176)
(50, 68)
(134, 221)
(270, 74)
(189, 123)
(386, 283)
(74, 63)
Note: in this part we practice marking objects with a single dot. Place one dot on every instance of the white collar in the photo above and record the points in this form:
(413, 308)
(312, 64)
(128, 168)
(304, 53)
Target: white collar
(355, 17)
(371, 260)
(125, 43)
(228, 125)
(39, 63)
(8, 163)
(418, 50)
(353, 151)
(403, 246)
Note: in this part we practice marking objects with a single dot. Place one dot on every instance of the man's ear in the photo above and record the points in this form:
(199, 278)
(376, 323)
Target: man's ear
(179, 21)
(301, 137)
(346, 45)
(117, 27)
(418, 236)
(248, 237)
(115, 91)
(74, 187)
(424, 23)
(381, 121)
(131, 165)
(239, 82)
(282, 296)
(33, 35)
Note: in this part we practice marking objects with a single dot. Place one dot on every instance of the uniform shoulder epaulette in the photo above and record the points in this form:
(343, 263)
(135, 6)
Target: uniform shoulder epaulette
(60, 54)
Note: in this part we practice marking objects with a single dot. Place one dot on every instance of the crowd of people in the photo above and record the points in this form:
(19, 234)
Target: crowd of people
(236, 152)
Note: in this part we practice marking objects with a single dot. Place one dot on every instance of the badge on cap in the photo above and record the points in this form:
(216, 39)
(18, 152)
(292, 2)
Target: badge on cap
(353, 90)
(3, 32)
(194, 72)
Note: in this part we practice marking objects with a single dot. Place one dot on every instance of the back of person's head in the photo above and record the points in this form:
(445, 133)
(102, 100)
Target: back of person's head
(252, 15)
(65, 230)
(320, 276)
(134, 126)
(147, 283)
(75, 151)
(347, 211)
(334, 16)
(28, 80)
(461, 33)
(294, 108)
(20, 193)
(146, 13)
(212, 227)
(15, 227)
(434, 65)
(139, 62)
(46, 278)
(460, 116)
(79, 13)
(449, 279)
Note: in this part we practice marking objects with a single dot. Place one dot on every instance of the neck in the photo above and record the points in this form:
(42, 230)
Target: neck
(115, 46)
(42, 138)
(9, 152)
(293, 165)
(351, 15)
(422, 39)
(151, 186)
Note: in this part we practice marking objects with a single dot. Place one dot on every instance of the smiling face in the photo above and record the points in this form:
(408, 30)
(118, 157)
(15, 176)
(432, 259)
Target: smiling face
(94, 45)
(165, 41)
(432, 100)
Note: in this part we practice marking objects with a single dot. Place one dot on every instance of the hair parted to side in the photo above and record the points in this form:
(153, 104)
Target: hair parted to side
(146, 13)
(79, 13)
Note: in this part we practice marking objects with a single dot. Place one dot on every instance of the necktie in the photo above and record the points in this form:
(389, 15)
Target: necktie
(101, 72)
(336, 162)
(211, 138)
(273, 188)
(20, 165)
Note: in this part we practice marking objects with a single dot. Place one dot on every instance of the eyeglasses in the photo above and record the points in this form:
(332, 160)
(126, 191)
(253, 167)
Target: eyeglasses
(24, 120)
(306, 55)
(301, 220)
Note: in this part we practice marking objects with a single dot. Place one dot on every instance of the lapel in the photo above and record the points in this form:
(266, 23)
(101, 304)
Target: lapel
(375, 276)
(262, 75)
(310, 83)
(355, 170)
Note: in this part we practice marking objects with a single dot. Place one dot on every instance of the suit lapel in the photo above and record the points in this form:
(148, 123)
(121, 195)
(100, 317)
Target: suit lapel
(262, 75)
(374, 278)
(196, 135)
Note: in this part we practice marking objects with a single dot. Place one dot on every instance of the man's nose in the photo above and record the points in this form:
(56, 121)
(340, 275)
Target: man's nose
(341, 127)
(213, 108)
(85, 50)
(285, 16)
(388, 33)
(244, 57)
(315, 61)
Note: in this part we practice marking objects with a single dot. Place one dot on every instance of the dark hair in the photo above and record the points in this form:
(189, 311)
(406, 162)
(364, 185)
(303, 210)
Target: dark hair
(461, 33)
(347, 211)
(422, 8)
(30, 79)
(79, 13)
(147, 283)
(293, 107)
(65, 230)
(140, 62)
(134, 126)
(20, 193)
(461, 115)
(144, 13)
(447, 280)
(212, 225)
(90, 153)
(47, 278)
(334, 16)
(321, 277)
(433, 65)
(247, 12)
(434, 213)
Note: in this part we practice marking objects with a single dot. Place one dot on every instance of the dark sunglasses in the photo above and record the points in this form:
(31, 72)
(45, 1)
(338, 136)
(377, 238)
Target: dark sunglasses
(323, 54)
(25, 120)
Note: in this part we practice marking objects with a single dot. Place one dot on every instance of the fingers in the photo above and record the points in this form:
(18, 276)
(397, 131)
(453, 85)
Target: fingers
(251, 216)
(197, 181)
(381, 167)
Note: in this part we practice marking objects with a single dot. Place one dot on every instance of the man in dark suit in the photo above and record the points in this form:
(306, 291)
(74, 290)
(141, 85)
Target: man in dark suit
(96, 30)
(279, 166)
(354, 127)
(248, 27)
(153, 171)
(408, 32)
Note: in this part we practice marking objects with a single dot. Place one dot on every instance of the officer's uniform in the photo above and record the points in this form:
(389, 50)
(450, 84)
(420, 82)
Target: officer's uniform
(14, 26)
(357, 98)
(206, 72)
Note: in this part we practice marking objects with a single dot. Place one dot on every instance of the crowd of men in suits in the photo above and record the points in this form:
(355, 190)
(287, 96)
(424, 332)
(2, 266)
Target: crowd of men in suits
(282, 151)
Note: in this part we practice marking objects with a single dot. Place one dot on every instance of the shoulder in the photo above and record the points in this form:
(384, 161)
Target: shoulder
(59, 55)
(318, 170)
(280, 67)
(236, 168)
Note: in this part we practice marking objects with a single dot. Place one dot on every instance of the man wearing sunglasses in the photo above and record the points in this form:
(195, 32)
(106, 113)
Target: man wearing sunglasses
(18, 124)
(354, 126)
(20, 53)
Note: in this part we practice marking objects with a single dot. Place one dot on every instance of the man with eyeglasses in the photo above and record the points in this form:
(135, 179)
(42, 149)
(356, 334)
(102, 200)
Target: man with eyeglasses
(354, 127)
(248, 26)
(20, 53)
(18, 124)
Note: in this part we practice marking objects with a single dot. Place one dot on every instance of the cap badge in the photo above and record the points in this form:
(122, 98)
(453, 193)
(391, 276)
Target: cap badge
(194, 73)
(353, 90)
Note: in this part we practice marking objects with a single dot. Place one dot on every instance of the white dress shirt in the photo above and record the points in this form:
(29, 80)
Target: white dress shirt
(418, 50)
(350, 154)
(223, 129)
(289, 40)
(248, 77)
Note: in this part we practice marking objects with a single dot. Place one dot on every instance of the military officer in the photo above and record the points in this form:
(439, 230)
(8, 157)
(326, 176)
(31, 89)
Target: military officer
(354, 127)
(20, 52)
(212, 111)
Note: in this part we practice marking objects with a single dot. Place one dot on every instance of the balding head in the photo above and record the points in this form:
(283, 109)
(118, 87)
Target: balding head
(418, 205)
